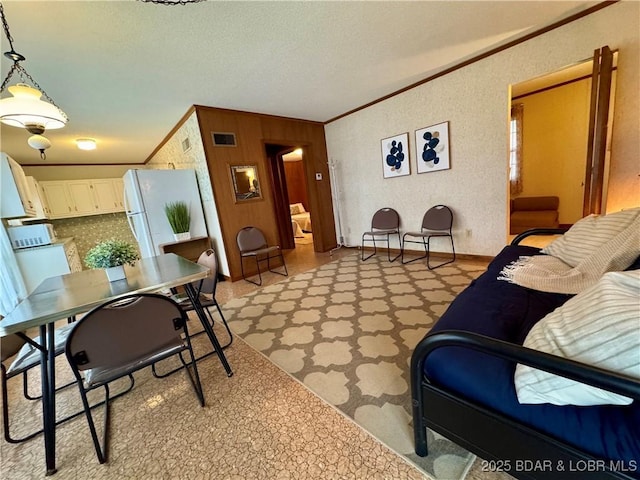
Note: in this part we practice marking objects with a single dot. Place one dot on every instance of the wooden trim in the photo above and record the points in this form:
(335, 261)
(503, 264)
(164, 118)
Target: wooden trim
(77, 164)
(482, 56)
(459, 256)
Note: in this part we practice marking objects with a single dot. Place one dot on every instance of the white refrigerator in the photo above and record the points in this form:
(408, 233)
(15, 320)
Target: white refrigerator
(146, 192)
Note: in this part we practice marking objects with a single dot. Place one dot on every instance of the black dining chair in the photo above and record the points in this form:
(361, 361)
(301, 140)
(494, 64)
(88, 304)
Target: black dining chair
(436, 222)
(252, 244)
(384, 223)
(206, 293)
(25, 356)
(121, 337)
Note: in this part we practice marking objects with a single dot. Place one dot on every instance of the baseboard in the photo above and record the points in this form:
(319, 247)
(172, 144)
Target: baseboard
(459, 256)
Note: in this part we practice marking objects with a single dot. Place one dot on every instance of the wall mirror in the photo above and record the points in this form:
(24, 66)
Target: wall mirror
(245, 182)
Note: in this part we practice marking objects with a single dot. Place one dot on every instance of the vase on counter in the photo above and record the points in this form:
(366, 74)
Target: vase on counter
(115, 273)
(180, 237)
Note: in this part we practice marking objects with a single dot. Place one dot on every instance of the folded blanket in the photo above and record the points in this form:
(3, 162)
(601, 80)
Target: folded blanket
(606, 243)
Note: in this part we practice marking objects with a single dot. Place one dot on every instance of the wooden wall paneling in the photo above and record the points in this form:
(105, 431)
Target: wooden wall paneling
(309, 135)
(253, 131)
(249, 151)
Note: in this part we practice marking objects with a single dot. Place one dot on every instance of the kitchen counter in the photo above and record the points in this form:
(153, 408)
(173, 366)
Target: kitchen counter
(44, 261)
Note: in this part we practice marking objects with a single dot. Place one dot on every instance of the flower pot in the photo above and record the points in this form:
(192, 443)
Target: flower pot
(182, 236)
(115, 273)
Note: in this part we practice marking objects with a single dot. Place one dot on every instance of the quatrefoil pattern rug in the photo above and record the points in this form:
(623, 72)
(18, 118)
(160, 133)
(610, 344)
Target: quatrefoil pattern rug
(347, 330)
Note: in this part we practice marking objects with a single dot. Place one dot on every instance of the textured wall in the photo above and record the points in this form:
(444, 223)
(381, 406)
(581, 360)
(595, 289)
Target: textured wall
(172, 153)
(475, 100)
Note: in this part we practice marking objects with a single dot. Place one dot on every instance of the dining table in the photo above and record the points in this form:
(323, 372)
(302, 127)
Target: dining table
(65, 296)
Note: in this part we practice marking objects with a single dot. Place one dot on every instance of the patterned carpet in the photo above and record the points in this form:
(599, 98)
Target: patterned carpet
(347, 330)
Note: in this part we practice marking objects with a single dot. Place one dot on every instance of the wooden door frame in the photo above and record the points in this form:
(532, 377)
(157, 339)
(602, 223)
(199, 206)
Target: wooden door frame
(595, 174)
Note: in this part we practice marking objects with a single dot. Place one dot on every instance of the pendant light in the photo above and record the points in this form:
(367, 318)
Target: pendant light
(25, 108)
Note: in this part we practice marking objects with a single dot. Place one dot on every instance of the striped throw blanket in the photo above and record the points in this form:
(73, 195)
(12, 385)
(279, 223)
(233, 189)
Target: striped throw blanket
(593, 246)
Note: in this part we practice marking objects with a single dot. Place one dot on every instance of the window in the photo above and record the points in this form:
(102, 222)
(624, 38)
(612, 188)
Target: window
(515, 149)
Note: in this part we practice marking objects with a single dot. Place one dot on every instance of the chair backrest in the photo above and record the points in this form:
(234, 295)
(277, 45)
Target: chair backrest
(208, 285)
(439, 217)
(10, 345)
(121, 331)
(249, 239)
(385, 219)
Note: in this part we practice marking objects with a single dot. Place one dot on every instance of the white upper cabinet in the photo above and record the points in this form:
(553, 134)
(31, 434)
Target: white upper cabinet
(58, 199)
(78, 198)
(39, 202)
(15, 200)
(104, 193)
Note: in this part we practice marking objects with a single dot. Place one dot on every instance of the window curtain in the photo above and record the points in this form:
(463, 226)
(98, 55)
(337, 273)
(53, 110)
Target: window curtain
(12, 288)
(515, 160)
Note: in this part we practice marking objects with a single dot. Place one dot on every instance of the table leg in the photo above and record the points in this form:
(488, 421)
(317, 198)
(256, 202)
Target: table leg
(193, 296)
(48, 382)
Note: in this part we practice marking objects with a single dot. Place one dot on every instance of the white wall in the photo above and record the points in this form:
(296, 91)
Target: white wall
(475, 100)
(171, 153)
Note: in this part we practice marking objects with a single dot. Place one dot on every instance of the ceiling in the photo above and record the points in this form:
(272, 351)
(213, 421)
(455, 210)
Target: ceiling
(125, 72)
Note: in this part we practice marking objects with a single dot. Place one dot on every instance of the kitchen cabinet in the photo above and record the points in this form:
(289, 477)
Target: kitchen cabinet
(39, 263)
(14, 190)
(58, 199)
(38, 199)
(79, 198)
(104, 193)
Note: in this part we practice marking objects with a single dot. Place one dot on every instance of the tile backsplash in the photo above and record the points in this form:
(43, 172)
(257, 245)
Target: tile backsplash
(87, 231)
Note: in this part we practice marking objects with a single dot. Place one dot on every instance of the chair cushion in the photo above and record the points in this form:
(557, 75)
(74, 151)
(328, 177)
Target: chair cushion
(101, 375)
(29, 356)
(261, 251)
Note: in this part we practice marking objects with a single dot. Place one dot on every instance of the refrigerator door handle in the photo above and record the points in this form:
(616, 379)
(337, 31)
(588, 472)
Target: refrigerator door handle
(132, 228)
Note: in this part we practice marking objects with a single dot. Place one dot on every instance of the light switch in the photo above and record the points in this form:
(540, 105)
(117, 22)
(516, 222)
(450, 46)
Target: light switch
(318, 176)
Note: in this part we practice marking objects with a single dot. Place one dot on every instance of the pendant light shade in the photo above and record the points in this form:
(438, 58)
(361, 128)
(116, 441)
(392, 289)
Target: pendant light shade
(40, 143)
(25, 110)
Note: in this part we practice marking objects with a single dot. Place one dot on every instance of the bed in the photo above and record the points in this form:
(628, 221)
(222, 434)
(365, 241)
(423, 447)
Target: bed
(463, 387)
(300, 219)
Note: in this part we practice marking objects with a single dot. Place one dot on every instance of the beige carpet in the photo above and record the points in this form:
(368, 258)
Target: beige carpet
(347, 330)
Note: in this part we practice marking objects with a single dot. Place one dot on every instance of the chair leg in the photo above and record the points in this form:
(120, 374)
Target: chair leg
(5, 409)
(226, 326)
(195, 377)
(375, 249)
(101, 451)
(284, 265)
(389, 249)
(245, 277)
(404, 241)
(443, 263)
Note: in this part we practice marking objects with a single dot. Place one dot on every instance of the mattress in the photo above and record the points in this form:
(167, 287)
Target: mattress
(303, 220)
(507, 312)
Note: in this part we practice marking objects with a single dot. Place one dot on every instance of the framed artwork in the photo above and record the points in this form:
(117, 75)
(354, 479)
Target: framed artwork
(395, 156)
(432, 148)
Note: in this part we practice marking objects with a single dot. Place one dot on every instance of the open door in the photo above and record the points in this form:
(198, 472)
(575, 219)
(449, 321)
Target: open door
(280, 194)
(596, 170)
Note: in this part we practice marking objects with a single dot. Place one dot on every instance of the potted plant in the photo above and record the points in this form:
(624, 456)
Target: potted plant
(112, 255)
(179, 219)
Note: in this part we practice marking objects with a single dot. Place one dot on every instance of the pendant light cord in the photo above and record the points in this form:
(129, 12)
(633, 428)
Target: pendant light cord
(16, 67)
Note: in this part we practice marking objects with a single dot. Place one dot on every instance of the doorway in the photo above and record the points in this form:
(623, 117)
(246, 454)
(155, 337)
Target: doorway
(291, 197)
(557, 144)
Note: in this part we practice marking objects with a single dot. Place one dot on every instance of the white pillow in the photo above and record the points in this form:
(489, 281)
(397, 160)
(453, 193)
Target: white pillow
(601, 327)
(296, 208)
(588, 234)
